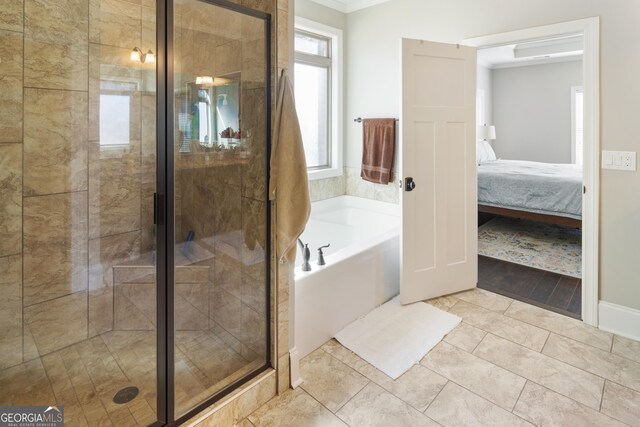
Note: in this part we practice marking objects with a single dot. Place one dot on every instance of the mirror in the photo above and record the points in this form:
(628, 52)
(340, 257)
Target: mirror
(215, 111)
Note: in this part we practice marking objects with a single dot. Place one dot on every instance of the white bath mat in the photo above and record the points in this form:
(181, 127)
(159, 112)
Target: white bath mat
(394, 337)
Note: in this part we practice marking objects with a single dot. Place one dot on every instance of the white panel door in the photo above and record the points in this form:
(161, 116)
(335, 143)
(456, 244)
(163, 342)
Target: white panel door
(439, 216)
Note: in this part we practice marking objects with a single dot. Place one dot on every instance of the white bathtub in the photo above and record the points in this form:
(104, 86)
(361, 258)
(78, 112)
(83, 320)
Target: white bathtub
(362, 270)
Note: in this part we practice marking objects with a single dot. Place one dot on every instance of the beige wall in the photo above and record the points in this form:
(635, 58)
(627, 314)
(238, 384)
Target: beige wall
(316, 12)
(373, 88)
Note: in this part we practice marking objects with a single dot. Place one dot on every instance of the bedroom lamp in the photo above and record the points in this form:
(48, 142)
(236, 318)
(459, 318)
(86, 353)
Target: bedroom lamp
(486, 132)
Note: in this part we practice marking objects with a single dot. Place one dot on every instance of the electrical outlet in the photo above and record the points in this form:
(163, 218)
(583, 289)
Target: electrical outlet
(619, 160)
(628, 161)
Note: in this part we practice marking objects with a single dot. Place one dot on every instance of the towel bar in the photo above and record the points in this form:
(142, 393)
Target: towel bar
(359, 120)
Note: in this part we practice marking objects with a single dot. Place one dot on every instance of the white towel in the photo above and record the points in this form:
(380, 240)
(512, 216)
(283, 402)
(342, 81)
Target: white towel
(288, 183)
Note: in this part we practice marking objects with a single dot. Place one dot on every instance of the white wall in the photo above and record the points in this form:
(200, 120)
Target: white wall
(373, 89)
(532, 111)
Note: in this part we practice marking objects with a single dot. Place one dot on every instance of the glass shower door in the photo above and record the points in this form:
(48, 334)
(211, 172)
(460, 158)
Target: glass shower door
(220, 142)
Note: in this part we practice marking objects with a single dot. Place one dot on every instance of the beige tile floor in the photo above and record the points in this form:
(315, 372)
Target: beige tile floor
(507, 364)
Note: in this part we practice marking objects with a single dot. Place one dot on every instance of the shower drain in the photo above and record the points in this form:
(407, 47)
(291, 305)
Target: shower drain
(125, 395)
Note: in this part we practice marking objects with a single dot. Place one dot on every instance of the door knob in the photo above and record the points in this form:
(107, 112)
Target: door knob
(409, 184)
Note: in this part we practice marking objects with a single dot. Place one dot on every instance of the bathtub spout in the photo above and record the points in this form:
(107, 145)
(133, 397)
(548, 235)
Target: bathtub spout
(306, 255)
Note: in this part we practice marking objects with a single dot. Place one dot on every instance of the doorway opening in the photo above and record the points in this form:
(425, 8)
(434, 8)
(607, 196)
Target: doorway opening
(538, 170)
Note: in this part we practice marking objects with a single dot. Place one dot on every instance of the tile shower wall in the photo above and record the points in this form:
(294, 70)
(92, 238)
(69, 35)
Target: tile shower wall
(70, 206)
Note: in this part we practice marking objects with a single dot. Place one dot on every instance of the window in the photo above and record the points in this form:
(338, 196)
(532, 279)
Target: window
(577, 124)
(318, 98)
(115, 112)
(480, 112)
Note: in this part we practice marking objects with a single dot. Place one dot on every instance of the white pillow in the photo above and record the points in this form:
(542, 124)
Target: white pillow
(484, 152)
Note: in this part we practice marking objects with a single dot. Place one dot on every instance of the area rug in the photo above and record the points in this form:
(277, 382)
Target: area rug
(544, 246)
(394, 337)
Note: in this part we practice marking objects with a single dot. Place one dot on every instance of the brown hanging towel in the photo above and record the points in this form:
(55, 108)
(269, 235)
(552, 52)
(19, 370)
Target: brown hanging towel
(378, 150)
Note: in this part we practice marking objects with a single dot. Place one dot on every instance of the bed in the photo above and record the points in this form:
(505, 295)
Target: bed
(536, 191)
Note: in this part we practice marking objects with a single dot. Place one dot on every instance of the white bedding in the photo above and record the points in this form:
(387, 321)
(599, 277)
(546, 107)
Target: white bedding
(546, 188)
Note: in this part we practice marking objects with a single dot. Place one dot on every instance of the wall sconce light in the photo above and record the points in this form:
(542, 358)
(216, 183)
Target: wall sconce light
(137, 55)
(204, 80)
(222, 99)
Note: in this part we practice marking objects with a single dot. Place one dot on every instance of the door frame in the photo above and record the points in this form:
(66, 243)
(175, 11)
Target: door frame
(590, 29)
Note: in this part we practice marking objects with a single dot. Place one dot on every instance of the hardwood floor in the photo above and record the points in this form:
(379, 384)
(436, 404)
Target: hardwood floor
(552, 291)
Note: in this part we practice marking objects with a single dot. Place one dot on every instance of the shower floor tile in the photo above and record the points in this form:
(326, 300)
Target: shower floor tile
(84, 377)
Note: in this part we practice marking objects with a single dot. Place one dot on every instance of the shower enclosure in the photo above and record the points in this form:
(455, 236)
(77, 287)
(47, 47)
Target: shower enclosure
(134, 237)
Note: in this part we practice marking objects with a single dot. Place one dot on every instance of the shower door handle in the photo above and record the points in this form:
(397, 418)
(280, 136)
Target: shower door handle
(158, 209)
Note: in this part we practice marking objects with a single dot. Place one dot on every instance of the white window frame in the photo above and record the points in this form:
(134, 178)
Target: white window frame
(574, 90)
(481, 117)
(336, 116)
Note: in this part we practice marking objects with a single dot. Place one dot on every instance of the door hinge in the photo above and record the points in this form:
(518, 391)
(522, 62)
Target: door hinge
(584, 190)
(158, 209)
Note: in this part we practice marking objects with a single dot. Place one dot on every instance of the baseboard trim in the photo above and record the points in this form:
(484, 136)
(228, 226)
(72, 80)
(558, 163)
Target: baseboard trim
(294, 366)
(620, 320)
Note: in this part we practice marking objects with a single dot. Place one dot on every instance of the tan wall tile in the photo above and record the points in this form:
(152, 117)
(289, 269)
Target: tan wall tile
(149, 26)
(56, 21)
(261, 5)
(94, 21)
(283, 37)
(28, 344)
(253, 292)
(10, 199)
(284, 373)
(58, 323)
(10, 85)
(55, 246)
(254, 330)
(11, 15)
(11, 310)
(114, 197)
(56, 66)
(107, 252)
(100, 311)
(55, 141)
(120, 24)
(191, 308)
(134, 306)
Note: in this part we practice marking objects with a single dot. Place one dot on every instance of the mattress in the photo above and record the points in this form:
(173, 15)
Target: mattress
(545, 188)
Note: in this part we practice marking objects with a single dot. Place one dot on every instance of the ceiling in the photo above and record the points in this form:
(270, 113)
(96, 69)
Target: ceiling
(567, 48)
(347, 6)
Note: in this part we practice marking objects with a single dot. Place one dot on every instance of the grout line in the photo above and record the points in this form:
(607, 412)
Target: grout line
(604, 383)
(545, 343)
(436, 396)
(480, 342)
(358, 392)
(519, 396)
(53, 89)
